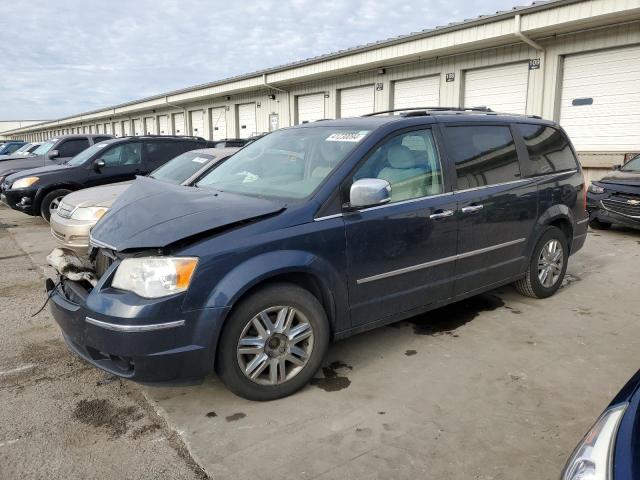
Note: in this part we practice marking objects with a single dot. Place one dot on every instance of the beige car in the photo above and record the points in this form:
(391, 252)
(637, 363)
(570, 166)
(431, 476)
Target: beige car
(79, 211)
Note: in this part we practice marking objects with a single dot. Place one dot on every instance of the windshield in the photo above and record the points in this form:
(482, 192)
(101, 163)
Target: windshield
(23, 148)
(45, 147)
(181, 167)
(86, 154)
(632, 166)
(286, 163)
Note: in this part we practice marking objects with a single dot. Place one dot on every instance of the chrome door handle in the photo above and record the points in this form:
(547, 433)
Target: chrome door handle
(443, 214)
(472, 209)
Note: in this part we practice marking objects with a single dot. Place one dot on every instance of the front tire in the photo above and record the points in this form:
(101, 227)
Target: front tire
(51, 201)
(273, 343)
(547, 266)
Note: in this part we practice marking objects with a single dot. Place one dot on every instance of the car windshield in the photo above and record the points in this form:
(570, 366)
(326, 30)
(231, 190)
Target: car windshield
(45, 147)
(23, 148)
(181, 167)
(86, 154)
(286, 164)
(632, 166)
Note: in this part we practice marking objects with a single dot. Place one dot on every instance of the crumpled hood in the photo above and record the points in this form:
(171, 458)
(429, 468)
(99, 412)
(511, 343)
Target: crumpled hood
(622, 178)
(102, 196)
(153, 214)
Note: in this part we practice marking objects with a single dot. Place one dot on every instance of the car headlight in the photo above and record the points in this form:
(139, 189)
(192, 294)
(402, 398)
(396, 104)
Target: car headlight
(89, 213)
(154, 277)
(24, 182)
(592, 459)
(593, 188)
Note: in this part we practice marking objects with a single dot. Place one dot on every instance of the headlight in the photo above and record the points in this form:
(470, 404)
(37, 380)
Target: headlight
(89, 213)
(153, 277)
(592, 459)
(593, 188)
(24, 182)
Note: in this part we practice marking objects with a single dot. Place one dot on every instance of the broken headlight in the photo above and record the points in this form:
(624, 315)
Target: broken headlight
(154, 277)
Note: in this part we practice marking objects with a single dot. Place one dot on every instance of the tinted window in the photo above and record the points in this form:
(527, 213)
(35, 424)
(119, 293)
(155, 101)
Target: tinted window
(548, 148)
(123, 154)
(182, 167)
(72, 147)
(100, 139)
(158, 153)
(409, 162)
(483, 155)
(12, 147)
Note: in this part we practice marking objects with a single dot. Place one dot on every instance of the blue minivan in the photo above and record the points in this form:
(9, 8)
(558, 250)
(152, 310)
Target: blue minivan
(318, 232)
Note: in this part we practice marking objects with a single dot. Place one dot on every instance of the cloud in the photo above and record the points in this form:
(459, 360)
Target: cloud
(70, 56)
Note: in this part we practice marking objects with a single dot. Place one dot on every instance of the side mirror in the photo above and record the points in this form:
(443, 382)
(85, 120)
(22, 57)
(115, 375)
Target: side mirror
(53, 154)
(98, 164)
(369, 192)
(617, 167)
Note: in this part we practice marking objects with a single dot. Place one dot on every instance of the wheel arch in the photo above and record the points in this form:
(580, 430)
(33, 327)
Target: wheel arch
(44, 191)
(558, 216)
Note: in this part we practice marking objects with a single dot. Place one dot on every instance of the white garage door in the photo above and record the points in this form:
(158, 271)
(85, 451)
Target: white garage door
(163, 124)
(150, 125)
(107, 128)
(600, 102)
(503, 89)
(310, 107)
(246, 120)
(178, 123)
(117, 129)
(219, 123)
(126, 128)
(137, 127)
(417, 92)
(197, 123)
(355, 102)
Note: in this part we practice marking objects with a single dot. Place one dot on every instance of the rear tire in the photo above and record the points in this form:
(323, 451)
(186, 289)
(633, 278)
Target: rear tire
(599, 224)
(273, 343)
(547, 266)
(51, 201)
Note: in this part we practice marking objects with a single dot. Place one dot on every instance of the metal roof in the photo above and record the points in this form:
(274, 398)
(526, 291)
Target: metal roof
(453, 26)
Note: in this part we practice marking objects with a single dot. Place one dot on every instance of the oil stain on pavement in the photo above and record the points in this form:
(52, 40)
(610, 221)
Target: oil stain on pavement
(101, 413)
(333, 381)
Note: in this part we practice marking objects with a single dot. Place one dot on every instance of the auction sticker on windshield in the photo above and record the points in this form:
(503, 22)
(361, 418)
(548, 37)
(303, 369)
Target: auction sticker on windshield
(346, 136)
(199, 160)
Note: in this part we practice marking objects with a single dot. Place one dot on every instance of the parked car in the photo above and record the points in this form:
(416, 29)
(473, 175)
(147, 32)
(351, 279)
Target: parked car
(616, 198)
(79, 211)
(24, 151)
(230, 143)
(318, 232)
(52, 152)
(38, 191)
(611, 448)
(11, 146)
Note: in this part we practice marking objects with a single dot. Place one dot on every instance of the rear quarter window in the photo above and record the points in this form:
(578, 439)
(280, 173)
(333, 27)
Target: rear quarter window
(548, 148)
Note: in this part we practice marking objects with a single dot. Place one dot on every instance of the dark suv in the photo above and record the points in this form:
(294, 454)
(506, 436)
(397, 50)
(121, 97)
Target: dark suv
(318, 232)
(38, 191)
(52, 152)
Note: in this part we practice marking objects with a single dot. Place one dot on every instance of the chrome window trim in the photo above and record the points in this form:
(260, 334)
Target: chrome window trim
(482, 187)
(404, 202)
(328, 217)
(134, 328)
(440, 261)
(580, 222)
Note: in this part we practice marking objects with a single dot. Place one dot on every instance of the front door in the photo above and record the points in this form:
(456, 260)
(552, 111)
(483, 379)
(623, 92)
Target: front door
(497, 208)
(121, 162)
(401, 256)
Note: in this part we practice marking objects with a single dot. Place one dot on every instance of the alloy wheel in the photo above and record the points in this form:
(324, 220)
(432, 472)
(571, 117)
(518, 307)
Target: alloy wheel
(275, 345)
(55, 203)
(550, 263)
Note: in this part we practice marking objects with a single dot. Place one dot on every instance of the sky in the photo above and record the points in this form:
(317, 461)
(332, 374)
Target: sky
(65, 57)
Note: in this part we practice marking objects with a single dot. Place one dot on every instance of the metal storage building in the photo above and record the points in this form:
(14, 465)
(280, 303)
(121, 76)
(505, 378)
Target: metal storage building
(573, 61)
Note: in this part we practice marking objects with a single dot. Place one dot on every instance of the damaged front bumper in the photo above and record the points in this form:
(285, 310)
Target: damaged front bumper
(147, 340)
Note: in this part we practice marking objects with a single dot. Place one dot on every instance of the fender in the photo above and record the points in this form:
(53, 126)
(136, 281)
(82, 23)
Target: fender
(550, 215)
(268, 265)
(42, 191)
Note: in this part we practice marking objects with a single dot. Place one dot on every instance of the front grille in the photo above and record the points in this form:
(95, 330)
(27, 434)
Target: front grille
(65, 210)
(620, 204)
(102, 262)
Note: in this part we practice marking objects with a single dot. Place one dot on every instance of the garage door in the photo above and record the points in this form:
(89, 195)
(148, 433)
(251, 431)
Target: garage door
(503, 89)
(117, 129)
(247, 120)
(310, 108)
(355, 102)
(219, 123)
(178, 123)
(197, 123)
(137, 127)
(417, 92)
(150, 126)
(107, 128)
(163, 124)
(600, 100)
(126, 128)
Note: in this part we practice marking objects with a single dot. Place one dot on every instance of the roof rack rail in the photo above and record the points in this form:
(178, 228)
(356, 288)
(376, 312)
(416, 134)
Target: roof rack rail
(420, 110)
